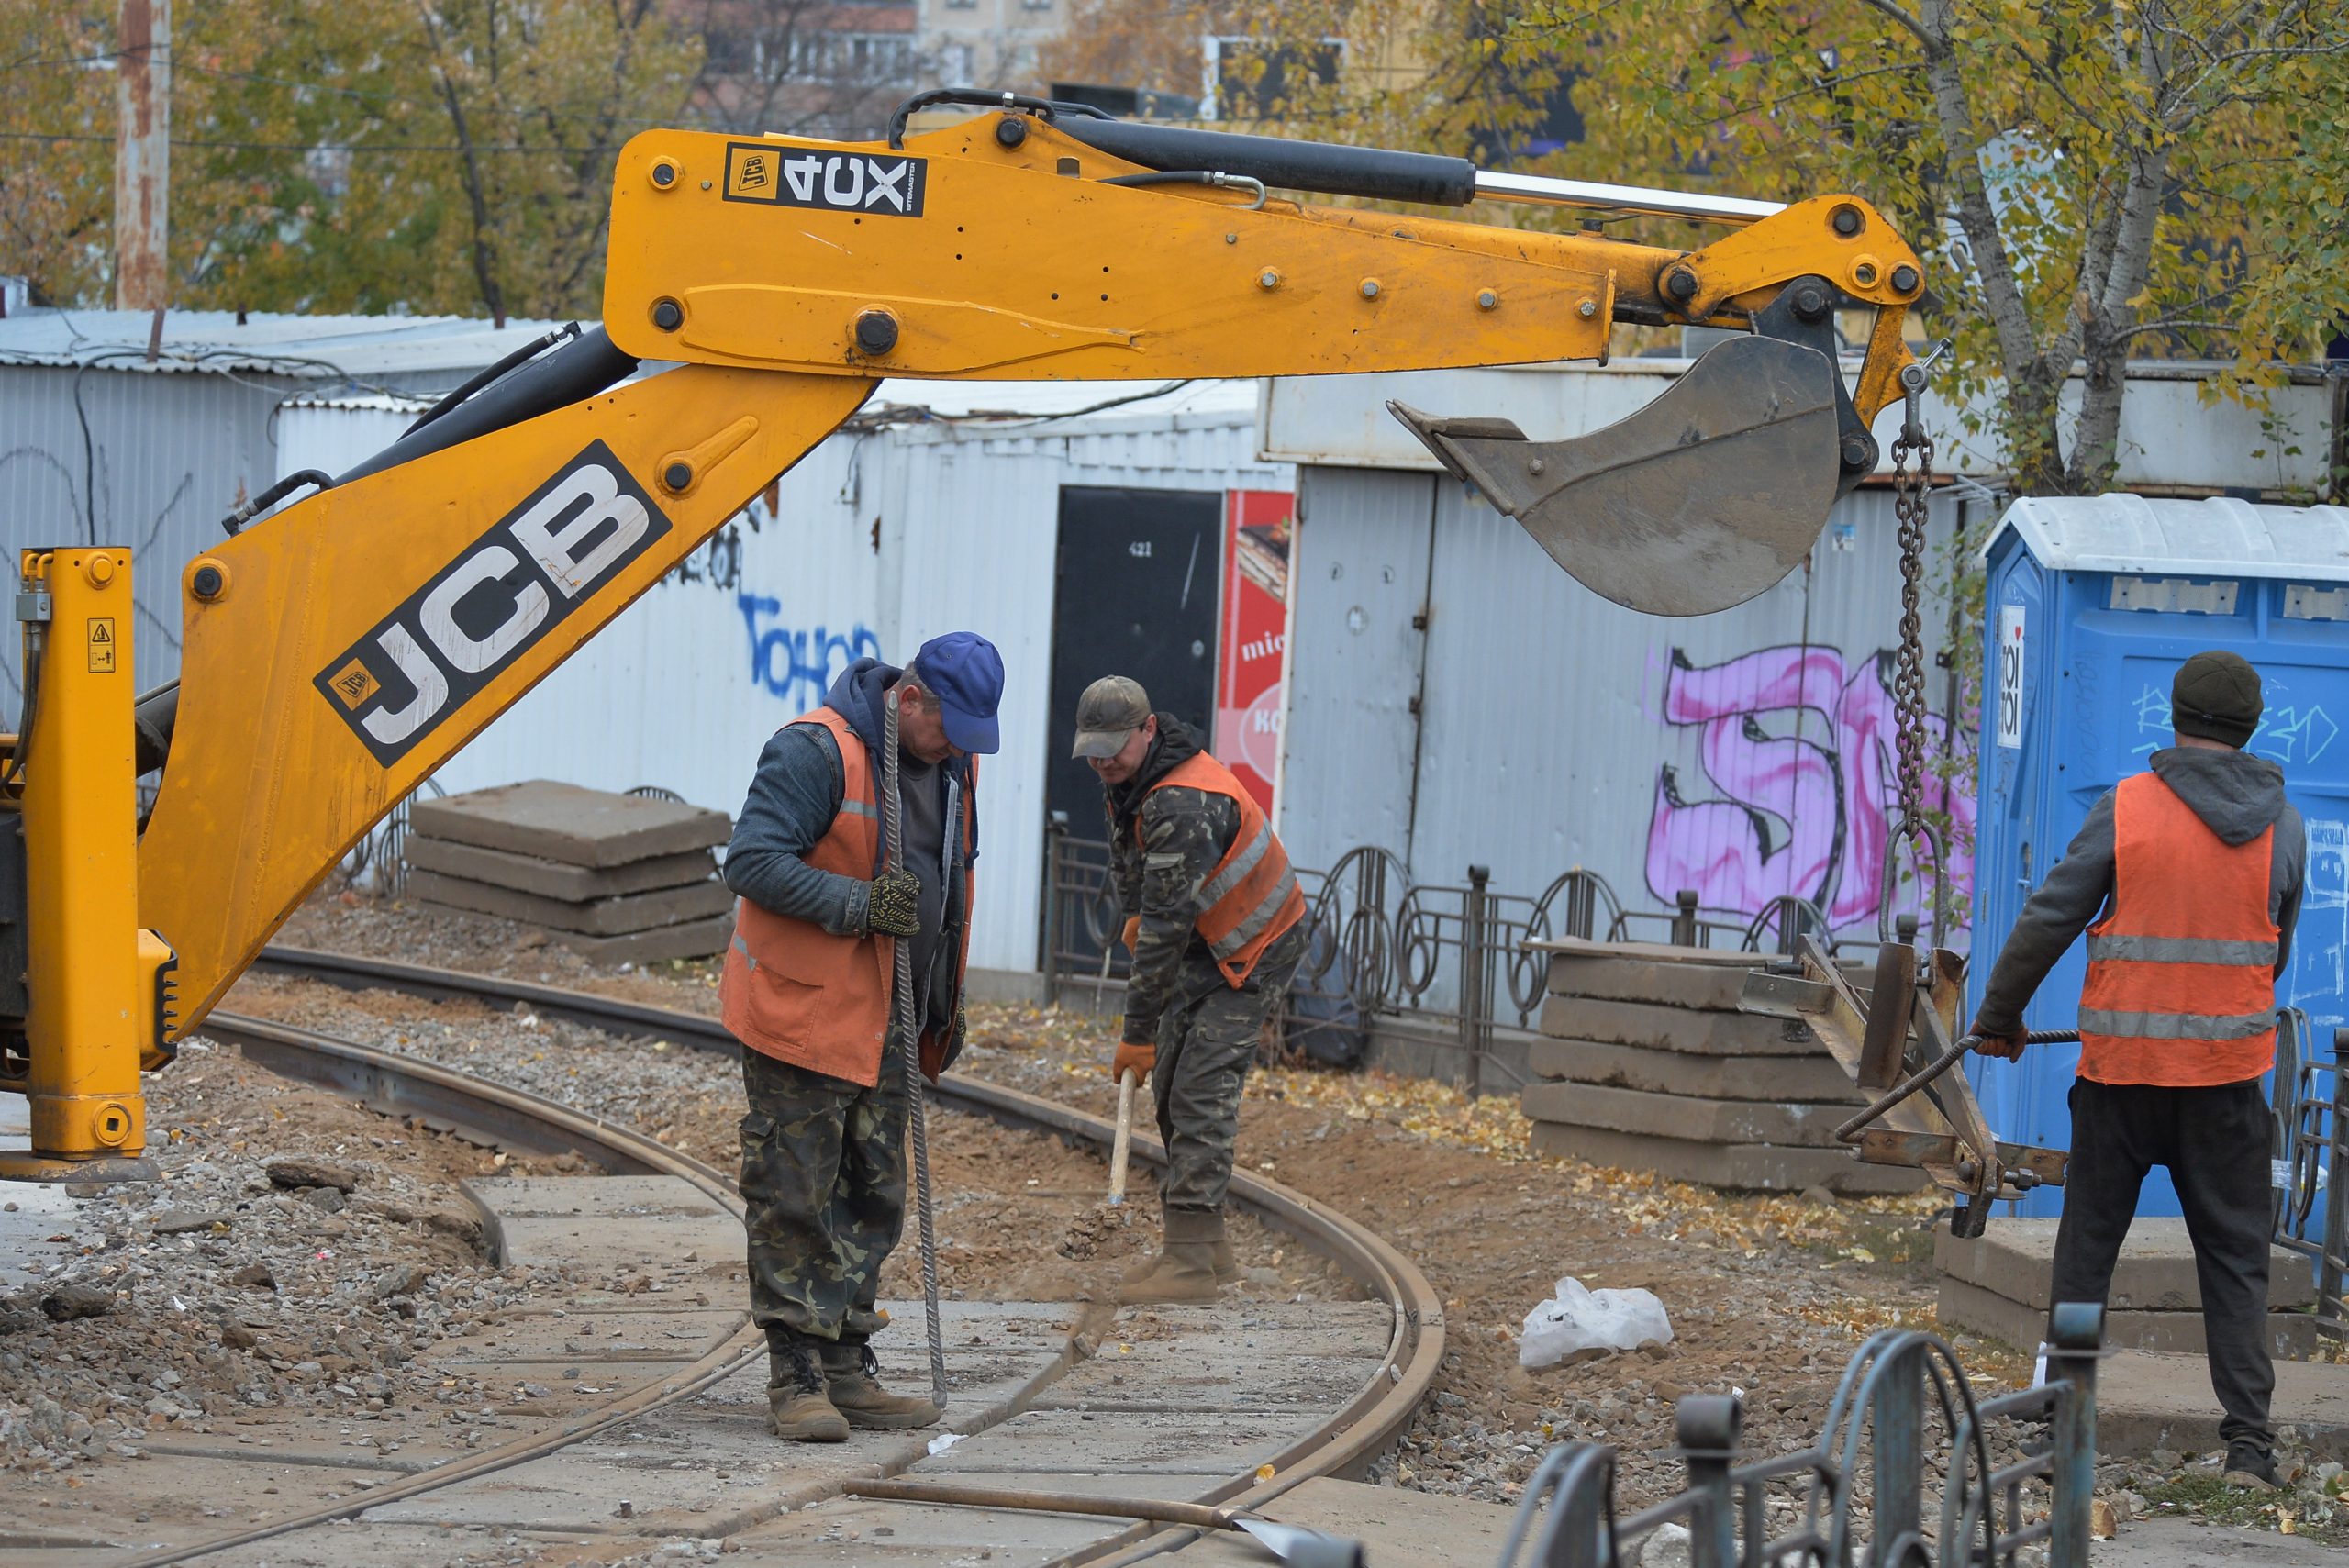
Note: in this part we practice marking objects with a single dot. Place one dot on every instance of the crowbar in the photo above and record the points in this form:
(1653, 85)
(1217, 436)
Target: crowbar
(1295, 1545)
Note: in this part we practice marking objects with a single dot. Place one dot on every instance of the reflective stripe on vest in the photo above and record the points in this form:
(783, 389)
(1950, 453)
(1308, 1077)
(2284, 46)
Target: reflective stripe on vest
(2181, 986)
(1251, 898)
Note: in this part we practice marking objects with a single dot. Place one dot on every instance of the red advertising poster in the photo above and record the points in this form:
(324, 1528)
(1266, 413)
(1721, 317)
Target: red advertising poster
(1259, 524)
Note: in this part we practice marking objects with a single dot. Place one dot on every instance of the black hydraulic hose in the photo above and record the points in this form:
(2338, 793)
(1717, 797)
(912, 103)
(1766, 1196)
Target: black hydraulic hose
(574, 373)
(1850, 1131)
(577, 371)
(1323, 167)
(272, 497)
(529, 350)
(978, 99)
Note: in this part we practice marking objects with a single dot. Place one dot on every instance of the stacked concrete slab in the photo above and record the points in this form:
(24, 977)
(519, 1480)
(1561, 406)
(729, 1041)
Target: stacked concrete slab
(1996, 1284)
(616, 877)
(1645, 1063)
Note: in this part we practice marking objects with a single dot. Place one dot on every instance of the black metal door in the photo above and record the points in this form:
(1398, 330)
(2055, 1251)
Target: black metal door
(1139, 574)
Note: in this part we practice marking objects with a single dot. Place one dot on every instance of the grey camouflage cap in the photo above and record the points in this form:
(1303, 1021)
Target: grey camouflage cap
(1112, 708)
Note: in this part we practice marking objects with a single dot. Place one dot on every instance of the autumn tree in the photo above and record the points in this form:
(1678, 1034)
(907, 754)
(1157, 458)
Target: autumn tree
(347, 154)
(2089, 183)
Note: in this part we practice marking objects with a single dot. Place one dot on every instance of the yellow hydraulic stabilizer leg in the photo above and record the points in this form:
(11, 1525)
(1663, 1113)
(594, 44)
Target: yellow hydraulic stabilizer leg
(97, 985)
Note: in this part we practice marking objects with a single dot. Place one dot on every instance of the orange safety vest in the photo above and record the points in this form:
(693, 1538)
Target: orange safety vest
(1252, 895)
(795, 992)
(2181, 987)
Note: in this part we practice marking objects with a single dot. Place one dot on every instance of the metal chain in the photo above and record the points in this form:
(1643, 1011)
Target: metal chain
(902, 1029)
(1908, 492)
(1908, 670)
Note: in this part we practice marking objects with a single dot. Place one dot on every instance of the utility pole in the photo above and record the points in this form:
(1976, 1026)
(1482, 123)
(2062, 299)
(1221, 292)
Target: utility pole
(142, 156)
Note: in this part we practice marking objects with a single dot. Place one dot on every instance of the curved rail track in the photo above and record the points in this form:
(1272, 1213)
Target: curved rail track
(1343, 1443)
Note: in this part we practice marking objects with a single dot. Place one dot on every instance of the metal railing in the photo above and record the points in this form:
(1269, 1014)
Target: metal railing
(1379, 945)
(1907, 1401)
(2312, 1135)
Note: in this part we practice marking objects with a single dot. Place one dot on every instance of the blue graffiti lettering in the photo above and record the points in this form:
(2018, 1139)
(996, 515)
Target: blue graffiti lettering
(800, 666)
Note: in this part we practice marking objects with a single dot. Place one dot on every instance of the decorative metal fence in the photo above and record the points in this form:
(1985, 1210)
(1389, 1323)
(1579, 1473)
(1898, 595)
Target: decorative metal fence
(1379, 944)
(1905, 1415)
(2312, 1101)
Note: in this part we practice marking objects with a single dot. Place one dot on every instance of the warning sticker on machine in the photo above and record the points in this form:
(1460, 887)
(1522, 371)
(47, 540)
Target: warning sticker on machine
(835, 181)
(2010, 646)
(102, 645)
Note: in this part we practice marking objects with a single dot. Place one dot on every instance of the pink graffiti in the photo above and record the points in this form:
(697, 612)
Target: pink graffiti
(1801, 817)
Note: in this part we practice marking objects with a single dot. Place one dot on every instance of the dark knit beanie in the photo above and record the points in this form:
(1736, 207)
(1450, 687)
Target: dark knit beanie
(2216, 696)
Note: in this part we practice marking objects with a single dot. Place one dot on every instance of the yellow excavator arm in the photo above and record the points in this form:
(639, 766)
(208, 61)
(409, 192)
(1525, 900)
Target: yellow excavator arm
(339, 653)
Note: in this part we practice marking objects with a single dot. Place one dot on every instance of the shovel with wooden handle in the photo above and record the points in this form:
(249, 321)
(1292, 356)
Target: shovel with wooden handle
(1123, 1145)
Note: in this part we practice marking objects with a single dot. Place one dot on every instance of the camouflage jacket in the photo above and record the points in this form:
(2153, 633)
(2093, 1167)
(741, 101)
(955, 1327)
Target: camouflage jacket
(1184, 835)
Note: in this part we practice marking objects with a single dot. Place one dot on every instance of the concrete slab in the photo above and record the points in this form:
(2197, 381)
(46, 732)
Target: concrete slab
(1674, 1028)
(553, 879)
(1292, 1328)
(1760, 1166)
(1180, 1444)
(706, 1466)
(1665, 982)
(2146, 1401)
(2017, 1258)
(690, 938)
(29, 1215)
(601, 1222)
(2291, 1336)
(819, 1533)
(624, 916)
(1685, 1116)
(1189, 1378)
(564, 822)
(1818, 1079)
(400, 1546)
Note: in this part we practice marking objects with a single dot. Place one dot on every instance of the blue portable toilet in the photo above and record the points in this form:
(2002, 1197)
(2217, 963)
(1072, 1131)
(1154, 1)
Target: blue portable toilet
(2091, 605)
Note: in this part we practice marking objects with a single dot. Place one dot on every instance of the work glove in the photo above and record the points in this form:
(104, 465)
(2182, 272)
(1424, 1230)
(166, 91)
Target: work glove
(1130, 933)
(2005, 1046)
(893, 904)
(1137, 1057)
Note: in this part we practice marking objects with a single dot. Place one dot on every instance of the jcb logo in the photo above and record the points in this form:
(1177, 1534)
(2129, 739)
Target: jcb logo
(544, 559)
(776, 175)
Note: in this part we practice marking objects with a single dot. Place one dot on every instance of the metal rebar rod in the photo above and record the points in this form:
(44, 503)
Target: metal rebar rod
(903, 1026)
(1197, 1515)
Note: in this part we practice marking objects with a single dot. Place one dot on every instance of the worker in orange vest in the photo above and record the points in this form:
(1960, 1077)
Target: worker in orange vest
(1215, 921)
(2195, 868)
(808, 989)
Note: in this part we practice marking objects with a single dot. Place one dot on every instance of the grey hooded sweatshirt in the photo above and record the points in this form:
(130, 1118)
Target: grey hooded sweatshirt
(2238, 795)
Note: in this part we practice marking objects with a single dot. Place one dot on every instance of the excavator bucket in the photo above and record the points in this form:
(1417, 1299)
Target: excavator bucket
(1702, 499)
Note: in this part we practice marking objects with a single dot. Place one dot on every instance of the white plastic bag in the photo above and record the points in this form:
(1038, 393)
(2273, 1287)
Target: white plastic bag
(1579, 1320)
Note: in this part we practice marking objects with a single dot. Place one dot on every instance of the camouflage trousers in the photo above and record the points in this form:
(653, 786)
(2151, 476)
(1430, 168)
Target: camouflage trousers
(824, 1185)
(1207, 1042)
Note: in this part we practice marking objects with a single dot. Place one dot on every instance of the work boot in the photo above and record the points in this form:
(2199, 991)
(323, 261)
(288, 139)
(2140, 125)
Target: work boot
(1184, 1271)
(798, 1407)
(2250, 1466)
(1227, 1267)
(853, 1372)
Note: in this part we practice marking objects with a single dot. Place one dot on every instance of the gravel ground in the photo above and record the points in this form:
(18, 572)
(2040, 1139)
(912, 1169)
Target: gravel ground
(295, 1255)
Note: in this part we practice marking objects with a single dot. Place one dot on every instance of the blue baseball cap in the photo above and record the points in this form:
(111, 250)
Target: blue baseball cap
(964, 672)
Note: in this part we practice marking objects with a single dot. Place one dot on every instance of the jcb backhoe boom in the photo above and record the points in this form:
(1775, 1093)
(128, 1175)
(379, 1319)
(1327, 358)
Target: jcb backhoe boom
(334, 654)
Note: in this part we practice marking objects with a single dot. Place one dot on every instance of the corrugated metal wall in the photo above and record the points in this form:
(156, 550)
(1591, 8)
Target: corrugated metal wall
(877, 543)
(1744, 754)
(167, 456)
